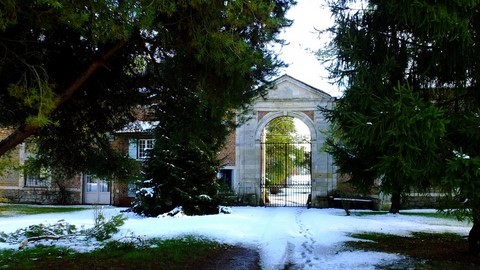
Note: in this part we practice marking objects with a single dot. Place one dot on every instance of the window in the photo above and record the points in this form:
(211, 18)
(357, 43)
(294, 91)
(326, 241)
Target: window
(132, 190)
(36, 177)
(95, 184)
(144, 146)
(139, 148)
(225, 178)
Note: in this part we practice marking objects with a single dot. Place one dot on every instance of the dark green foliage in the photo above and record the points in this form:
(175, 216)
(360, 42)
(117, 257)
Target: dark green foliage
(461, 182)
(197, 85)
(181, 176)
(47, 46)
(103, 229)
(396, 140)
(71, 73)
(410, 70)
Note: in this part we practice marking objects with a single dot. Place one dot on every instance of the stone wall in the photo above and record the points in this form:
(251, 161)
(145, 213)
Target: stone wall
(12, 183)
(421, 201)
(42, 195)
(8, 175)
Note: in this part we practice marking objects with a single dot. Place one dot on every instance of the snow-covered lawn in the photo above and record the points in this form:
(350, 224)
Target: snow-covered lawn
(304, 238)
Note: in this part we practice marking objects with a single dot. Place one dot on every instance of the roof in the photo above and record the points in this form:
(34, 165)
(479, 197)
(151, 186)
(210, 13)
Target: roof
(139, 127)
(286, 77)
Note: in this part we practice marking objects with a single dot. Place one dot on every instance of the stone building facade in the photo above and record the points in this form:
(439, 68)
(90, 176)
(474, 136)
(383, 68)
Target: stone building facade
(241, 157)
(18, 186)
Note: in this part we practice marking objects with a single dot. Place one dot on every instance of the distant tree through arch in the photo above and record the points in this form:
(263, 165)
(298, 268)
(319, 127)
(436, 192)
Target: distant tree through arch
(287, 161)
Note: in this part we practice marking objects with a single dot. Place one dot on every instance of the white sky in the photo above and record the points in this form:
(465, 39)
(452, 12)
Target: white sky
(301, 128)
(303, 40)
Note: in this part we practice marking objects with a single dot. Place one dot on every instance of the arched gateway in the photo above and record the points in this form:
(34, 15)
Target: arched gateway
(288, 97)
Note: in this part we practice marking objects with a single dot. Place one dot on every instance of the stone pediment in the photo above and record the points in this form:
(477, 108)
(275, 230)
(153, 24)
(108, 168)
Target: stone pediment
(287, 87)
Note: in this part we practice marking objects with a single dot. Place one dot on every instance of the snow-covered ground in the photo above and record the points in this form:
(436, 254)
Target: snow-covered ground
(300, 237)
(293, 195)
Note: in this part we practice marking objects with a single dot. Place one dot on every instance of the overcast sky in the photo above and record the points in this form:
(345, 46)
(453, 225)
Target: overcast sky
(303, 40)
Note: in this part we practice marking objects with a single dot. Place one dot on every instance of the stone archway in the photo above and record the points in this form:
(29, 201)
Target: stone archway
(305, 117)
(288, 97)
(285, 163)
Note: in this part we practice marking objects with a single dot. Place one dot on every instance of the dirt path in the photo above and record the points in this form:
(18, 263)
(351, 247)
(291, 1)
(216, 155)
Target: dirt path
(238, 258)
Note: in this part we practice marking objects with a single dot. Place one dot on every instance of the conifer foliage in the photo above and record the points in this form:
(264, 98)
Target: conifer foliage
(409, 113)
(72, 72)
(197, 85)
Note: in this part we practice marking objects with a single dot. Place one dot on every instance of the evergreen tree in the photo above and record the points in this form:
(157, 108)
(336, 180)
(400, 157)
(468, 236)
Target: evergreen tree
(54, 49)
(197, 85)
(68, 77)
(72, 71)
(409, 114)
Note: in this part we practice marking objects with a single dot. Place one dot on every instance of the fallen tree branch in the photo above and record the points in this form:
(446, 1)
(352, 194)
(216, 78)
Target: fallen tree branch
(25, 242)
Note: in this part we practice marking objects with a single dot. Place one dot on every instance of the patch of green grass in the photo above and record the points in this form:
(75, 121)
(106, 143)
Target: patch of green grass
(423, 214)
(434, 215)
(8, 210)
(28, 258)
(423, 250)
(185, 253)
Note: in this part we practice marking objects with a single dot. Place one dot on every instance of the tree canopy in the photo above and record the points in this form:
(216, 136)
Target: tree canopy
(67, 76)
(72, 72)
(409, 113)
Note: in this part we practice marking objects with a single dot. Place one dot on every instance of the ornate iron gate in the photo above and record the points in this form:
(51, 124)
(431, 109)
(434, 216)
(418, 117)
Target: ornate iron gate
(286, 174)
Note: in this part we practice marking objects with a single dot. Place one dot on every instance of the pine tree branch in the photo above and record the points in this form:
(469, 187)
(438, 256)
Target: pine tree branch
(25, 130)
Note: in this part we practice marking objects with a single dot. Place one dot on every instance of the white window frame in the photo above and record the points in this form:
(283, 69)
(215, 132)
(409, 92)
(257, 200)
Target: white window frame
(143, 147)
(138, 148)
(94, 184)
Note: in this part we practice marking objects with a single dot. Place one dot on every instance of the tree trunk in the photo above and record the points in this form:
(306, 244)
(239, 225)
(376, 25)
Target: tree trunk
(395, 207)
(474, 237)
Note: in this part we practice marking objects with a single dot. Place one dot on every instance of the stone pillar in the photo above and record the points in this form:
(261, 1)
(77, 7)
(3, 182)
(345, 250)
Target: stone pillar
(323, 175)
(247, 180)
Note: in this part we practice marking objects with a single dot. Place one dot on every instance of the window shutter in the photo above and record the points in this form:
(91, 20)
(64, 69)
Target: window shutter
(132, 148)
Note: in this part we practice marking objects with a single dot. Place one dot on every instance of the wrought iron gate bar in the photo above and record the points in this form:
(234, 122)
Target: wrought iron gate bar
(286, 173)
